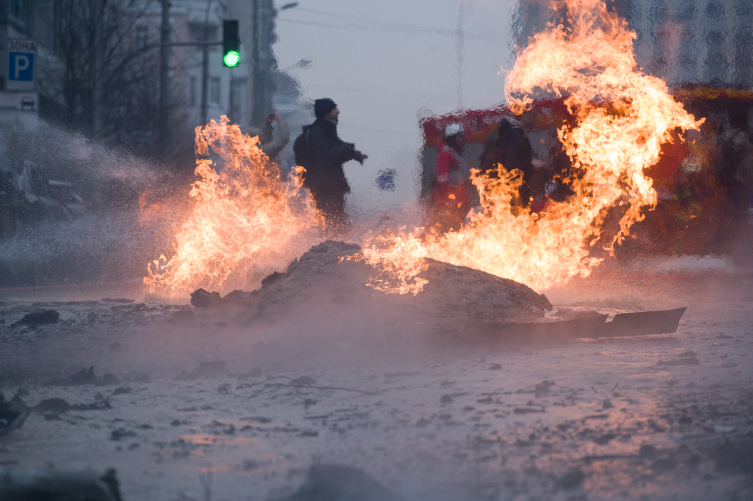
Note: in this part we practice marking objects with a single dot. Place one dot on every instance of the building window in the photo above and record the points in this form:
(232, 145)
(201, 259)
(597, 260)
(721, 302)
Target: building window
(214, 90)
(192, 91)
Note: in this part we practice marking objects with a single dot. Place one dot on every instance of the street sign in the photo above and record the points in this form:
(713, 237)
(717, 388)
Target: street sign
(21, 64)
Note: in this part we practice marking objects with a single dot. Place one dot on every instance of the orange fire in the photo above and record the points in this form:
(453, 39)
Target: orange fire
(246, 220)
(622, 118)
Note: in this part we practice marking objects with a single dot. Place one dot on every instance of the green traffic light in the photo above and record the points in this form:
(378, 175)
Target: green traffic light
(232, 58)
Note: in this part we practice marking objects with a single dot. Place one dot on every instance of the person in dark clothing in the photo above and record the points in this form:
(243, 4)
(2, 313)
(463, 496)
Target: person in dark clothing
(509, 146)
(324, 175)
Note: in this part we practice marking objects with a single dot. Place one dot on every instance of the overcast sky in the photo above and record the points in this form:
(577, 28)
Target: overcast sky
(387, 62)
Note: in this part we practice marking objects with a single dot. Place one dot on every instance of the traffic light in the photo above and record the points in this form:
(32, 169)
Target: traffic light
(231, 44)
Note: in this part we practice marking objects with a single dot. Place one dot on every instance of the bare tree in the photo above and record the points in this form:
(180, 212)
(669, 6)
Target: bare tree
(100, 76)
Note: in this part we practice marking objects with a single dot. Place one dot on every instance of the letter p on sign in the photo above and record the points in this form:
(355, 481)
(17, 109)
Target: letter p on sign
(21, 66)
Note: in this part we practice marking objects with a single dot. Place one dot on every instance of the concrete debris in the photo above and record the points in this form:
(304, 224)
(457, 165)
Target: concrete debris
(21, 484)
(39, 317)
(13, 413)
(205, 299)
(59, 405)
(87, 376)
(334, 482)
(323, 283)
(122, 433)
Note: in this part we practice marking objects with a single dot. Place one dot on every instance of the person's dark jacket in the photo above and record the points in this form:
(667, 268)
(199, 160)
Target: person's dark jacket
(328, 154)
(511, 148)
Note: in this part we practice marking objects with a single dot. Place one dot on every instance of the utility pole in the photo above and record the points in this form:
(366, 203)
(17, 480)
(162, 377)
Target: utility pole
(460, 47)
(205, 68)
(164, 77)
(97, 63)
(257, 75)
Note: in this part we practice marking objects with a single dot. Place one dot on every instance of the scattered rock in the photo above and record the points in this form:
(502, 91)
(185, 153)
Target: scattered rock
(83, 376)
(445, 399)
(121, 390)
(39, 317)
(607, 404)
(59, 405)
(334, 482)
(52, 405)
(22, 484)
(542, 389)
(527, 410)
(118, 300)
(204, 299)
(495, 367)
(685, 420)
(175, 422)
(272, 278)
(647, 451)
(13, 413)
(121, 433)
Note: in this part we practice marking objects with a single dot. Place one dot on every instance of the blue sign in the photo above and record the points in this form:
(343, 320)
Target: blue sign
(21, 66)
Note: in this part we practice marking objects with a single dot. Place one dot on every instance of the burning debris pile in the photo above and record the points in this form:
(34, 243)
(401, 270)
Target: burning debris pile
(325, 285)
(248, 221)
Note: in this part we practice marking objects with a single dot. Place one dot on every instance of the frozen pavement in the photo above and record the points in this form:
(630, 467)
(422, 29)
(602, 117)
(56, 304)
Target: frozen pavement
(656, 417)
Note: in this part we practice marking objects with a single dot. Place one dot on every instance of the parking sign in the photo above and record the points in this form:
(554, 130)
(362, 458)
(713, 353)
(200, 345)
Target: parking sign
(20, 68)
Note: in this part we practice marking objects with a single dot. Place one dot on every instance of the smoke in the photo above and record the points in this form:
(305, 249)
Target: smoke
(103, 239)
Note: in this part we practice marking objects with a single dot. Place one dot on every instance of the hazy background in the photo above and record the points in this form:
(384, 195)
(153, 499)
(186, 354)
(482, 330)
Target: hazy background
(388, 63)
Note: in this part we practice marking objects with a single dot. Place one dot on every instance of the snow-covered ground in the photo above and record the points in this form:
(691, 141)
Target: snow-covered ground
(655, 417)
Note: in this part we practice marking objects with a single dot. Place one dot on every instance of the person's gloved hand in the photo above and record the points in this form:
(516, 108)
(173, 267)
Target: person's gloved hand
(359, 157)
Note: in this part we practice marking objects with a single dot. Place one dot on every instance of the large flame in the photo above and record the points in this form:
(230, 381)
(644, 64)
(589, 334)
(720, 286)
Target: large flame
(622, 116)
(246, 220)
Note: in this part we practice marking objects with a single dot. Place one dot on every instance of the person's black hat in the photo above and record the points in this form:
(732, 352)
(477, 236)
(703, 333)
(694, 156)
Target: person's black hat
(322, 107)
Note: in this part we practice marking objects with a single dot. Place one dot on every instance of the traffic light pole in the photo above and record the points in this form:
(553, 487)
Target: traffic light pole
(164, 81)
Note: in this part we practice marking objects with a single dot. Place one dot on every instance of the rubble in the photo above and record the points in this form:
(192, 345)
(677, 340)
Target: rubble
(13, 413)
(21, 484)
(59, 405)
(39, 317)
(334, 482)
(84, 377)
(323, 283)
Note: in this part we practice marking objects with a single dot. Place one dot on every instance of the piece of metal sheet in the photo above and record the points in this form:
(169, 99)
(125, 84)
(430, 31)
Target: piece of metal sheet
(624, 324)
